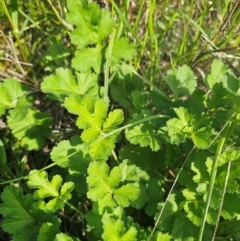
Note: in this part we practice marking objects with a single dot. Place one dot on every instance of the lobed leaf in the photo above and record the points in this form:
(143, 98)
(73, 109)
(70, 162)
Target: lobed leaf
(65, 237)
(115, 230)
(104, 185)
(125, 194)
(114, 119)
(122, 50)
(32, 130)
(87, 59)
(181, 81)
(20, 110)
(144, 134)
(70, 153)
(45, 188)
(184, 229)
(16, 209)
(11, 91)
(62, 84)
(39, 180)
(175, 129)
(123, 84)
(158, 236)
(99, 180)
(93, 24)
(94, 223)
(217, 75)
(47, 232)
(86, 82)
(168, 215)
(155, 195)
(231, 207)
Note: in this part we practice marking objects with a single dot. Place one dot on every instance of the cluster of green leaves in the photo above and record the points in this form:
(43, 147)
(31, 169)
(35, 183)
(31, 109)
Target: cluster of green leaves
(28, 125)
(30, 217)
(125, 175)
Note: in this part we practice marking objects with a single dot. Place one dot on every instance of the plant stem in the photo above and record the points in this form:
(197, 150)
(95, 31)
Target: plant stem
(107, 66)
(75, 209)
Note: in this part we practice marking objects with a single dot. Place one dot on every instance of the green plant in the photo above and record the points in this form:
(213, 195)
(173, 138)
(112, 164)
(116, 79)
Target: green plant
(143, 166)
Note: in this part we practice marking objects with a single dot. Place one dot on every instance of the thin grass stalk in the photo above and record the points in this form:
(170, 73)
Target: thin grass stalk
(229, 128)
(64, 23)
(222, 201)
(120, 25)
(15, 30)
(141, 50)
(151, 32)
(107, 66)
(168, 196)
(139, 15)
(125, 21)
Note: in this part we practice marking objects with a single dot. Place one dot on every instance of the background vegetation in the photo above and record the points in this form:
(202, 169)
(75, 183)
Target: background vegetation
(164, 35)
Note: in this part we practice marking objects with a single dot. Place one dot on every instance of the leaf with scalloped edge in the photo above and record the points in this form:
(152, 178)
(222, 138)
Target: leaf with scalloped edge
(47, 232)
(115, 230)
(95, 122)
(114, 119)
(181, 81)
(65, 237)
(101, 150)
(87, 83)
(122, 50)
(11, 91)
(5, 99)
(158, 236)
(71, 153)
(105, 184)
(231, 207)
(190, 126)
(125, 194)
(101, 181)
(146, 133)
(184, 229)
(59, 193)
(16, 208)
(175, 129)
(168, 215)
(62, 84)
(22, 216)
(39, 180)
(217, 74)
(15, 88)
(87, 59)
(93, 24)
(33, 130)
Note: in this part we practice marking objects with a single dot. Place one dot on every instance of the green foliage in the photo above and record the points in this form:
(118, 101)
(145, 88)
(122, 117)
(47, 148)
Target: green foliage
(105, 187)
(68, 153)
(29, 126)
(29, 217)
(145, 134)
(93, 25)
(96, 123)
(3, 157)
(181, 81)
(134, 166)
(32, 130)
(189, 126)
(11, 91)
(115, 230)
(23, 216)
(50, 189)
(122, 50)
